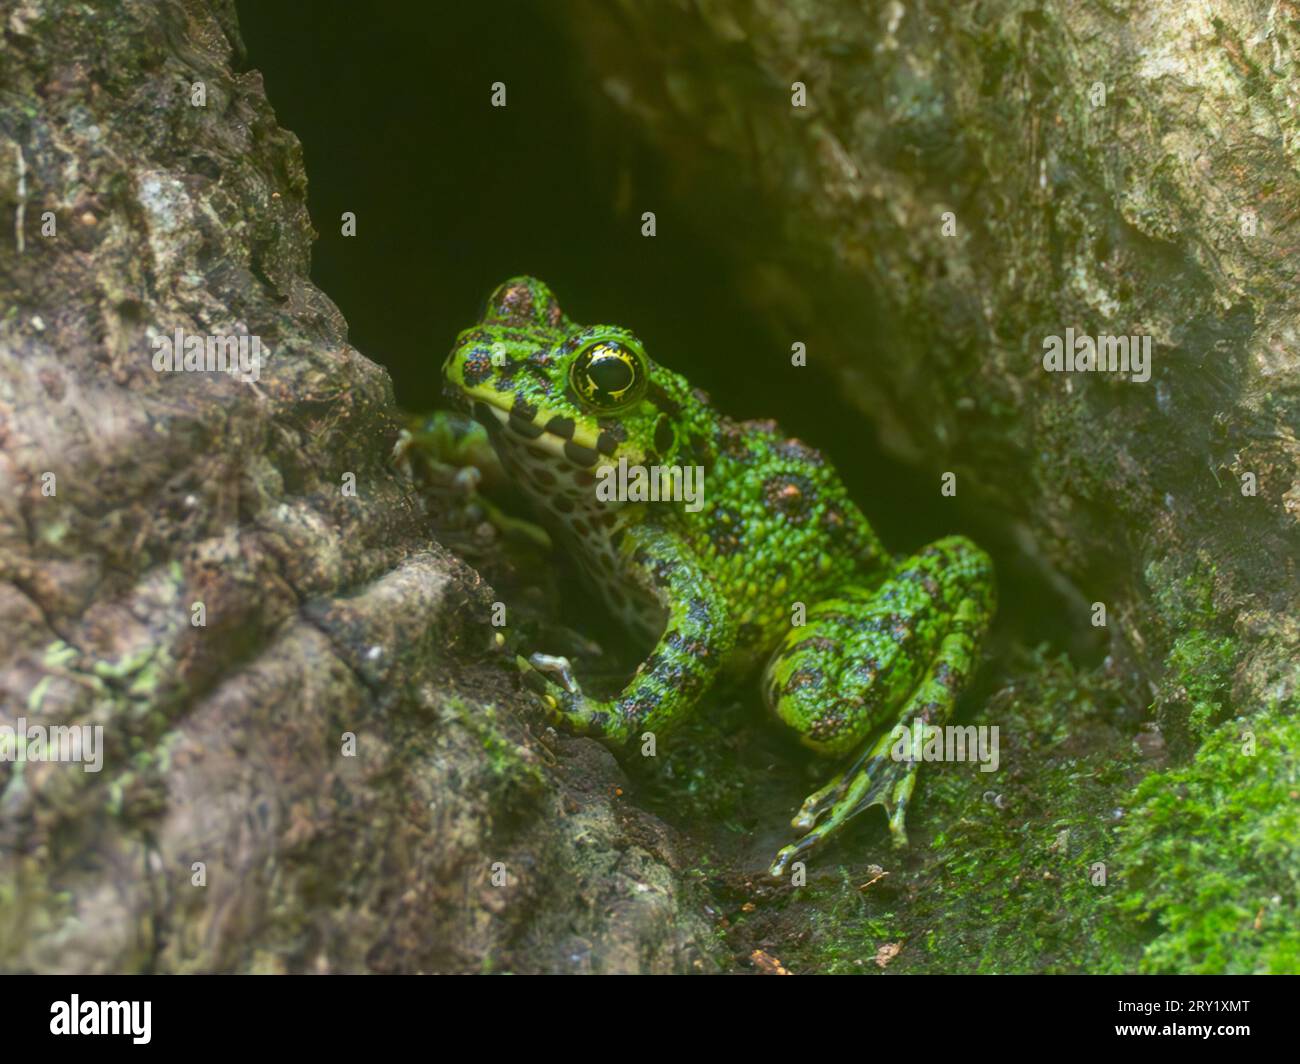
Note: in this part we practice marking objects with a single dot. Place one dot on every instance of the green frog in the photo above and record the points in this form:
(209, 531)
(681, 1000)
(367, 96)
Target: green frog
(769, 566)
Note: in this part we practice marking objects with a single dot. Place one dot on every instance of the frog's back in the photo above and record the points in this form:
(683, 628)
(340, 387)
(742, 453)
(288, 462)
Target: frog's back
(776, 527)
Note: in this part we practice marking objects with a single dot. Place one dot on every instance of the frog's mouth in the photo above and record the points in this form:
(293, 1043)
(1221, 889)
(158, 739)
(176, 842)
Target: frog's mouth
(558, 436)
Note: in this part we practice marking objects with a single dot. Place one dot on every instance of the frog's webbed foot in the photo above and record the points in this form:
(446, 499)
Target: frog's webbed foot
(874, 779)
(550, 678)
(871, 659)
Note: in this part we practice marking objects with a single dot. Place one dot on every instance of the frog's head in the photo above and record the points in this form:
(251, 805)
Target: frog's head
(563, 400)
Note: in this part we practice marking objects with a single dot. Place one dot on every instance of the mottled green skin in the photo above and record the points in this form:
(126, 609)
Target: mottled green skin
(722, 590)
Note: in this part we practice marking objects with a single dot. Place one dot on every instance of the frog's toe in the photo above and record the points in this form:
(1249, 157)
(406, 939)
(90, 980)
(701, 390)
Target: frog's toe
(780, 867)
(558, 668)
(401, 451)
(817, 803)
(539, 682)
(467, 479)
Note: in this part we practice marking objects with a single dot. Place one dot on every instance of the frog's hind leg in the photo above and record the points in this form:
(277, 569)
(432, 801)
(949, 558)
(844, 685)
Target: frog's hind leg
(872, 659)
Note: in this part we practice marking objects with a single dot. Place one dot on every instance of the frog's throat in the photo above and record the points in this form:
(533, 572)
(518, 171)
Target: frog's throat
(559, 473)
(545, 469)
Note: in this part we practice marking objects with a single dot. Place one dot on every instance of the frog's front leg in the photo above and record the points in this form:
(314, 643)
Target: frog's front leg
(446, 444)
(870, 659)
(454, 451)
(683, 664)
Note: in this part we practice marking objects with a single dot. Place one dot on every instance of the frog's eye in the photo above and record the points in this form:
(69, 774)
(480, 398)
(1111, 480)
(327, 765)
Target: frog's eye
(608, 374)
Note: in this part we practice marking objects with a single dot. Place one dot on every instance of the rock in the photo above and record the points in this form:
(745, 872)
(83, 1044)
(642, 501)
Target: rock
(310, 762)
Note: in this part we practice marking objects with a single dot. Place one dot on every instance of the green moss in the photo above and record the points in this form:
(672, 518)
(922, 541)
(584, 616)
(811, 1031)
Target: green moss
(847, 930)
(1211, 850)
(1182, 598)
(1200, 666)
(1087, 866)
(1194, 690)
(37, 694)
(510, 766)
(126, 667)
(1210, 846)
(1199, 860)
